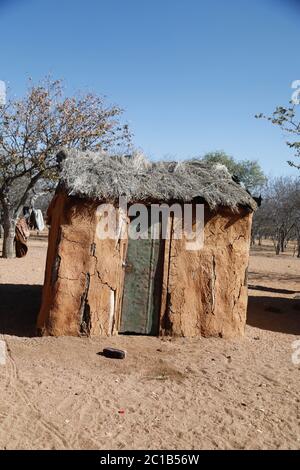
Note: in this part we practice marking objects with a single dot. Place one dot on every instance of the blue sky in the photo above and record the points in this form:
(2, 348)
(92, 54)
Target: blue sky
(190, 74)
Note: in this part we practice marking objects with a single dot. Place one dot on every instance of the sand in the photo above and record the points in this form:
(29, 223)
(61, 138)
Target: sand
(59, 393)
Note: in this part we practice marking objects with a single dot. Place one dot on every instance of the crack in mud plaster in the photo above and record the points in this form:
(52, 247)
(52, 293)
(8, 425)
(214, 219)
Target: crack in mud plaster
(238, 238)
(112, 319)
(236, 300)
(105, 283)
(96, 271)
(246, 277)
(76, 242)
(55, 269)
(74, 278)
(213, 285)
(85, 311)
(93, 250)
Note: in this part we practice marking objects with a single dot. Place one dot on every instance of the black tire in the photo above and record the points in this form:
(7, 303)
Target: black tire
(114, 353)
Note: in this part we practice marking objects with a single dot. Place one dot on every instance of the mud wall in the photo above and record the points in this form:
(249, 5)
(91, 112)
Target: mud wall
(205, 291)
(84, 275)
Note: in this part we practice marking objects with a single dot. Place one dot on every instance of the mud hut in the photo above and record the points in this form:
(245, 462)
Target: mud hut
(99, 286)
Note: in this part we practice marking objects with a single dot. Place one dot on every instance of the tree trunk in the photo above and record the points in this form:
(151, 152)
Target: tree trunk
(277, 248)
(282, 247)
(298, 248)
(9, 226)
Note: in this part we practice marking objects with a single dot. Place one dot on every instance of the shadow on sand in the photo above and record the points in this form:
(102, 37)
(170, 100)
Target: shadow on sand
(19, 307)
(274, 314)
(271, 289)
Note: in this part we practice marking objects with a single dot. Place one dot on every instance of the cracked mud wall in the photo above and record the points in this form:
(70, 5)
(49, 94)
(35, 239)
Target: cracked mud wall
(205, 292)
(84, 275)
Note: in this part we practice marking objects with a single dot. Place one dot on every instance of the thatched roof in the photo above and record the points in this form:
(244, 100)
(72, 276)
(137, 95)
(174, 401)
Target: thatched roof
(98, 176)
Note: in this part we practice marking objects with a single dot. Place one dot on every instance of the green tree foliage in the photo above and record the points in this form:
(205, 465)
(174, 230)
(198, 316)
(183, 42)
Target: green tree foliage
(247, 172)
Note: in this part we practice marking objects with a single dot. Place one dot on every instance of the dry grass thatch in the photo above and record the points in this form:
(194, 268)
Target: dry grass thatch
(99, 176)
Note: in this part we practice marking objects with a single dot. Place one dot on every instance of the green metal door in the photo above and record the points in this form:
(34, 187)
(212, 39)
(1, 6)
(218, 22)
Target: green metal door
(142, 287)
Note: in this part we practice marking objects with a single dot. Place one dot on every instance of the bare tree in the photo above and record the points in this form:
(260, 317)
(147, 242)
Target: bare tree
(278, 217)
(34, 128)
(285, 117)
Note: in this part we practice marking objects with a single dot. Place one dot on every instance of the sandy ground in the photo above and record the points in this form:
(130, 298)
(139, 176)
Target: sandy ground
(59, 393)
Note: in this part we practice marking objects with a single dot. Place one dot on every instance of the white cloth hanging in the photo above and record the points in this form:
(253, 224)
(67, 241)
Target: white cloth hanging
(39, 219)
